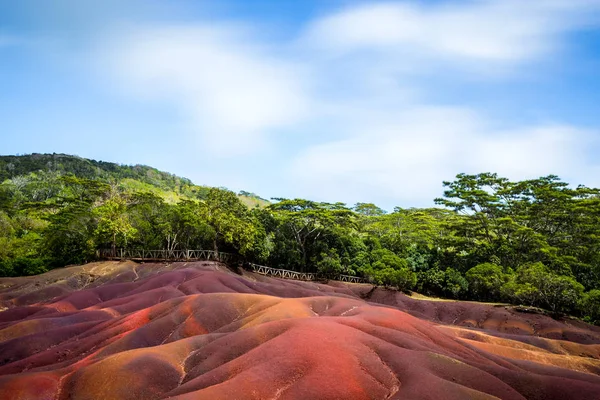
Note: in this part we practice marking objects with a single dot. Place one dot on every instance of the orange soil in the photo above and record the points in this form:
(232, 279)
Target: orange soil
(198, 331)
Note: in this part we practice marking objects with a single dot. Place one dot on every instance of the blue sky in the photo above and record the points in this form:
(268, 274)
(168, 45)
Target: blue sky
(328, 100)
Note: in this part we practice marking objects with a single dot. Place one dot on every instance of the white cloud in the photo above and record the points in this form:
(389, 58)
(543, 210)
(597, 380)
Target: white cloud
(356, 72)
(232, 91)
(405, 159)
(506, 31)
(392, 156)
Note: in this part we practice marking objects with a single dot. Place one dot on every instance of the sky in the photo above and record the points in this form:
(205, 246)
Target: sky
(349, 101)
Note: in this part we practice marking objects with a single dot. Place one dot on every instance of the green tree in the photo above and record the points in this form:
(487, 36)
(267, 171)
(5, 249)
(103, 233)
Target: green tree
(389, 269)
(113, 225)
(455, 285)
(590, 306)
(231, 221)
(152, 218)
(558, 293)
(486, 281)
(305, 227)
(329, 264)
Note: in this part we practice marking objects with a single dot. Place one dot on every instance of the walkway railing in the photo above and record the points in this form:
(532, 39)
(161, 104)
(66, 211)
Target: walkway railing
(352, 279)
(283, 273)
(165, 255)
(301, 276)
(210, 255)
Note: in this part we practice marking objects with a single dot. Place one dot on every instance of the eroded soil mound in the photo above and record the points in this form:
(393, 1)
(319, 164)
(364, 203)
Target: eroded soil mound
(199, 331)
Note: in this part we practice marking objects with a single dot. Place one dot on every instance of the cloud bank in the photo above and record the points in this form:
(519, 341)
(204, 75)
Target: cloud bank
(508, 31)
(365, 80)
(233, 91)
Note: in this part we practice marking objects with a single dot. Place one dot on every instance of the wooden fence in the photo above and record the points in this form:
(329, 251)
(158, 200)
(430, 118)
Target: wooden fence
(301, 276)
(210, 255)
(283, 273)
(165, 255)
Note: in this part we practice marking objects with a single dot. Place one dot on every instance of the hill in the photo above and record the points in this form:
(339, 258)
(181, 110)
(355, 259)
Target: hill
(120, 330)
(131, 177)
(14, 166)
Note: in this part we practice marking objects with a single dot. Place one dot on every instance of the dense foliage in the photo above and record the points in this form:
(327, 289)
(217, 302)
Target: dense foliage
(533, 242)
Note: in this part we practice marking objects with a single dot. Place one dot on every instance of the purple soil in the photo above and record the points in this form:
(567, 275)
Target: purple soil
(199, 331)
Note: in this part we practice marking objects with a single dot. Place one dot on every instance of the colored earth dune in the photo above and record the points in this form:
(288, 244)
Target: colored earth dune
(200, 331)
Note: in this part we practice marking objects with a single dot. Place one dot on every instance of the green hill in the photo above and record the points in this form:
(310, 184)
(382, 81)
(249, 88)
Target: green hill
(131, 178)
(12, 166)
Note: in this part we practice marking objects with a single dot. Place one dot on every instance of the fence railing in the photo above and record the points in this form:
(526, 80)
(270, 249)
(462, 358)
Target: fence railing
(301, 276)
(165, 255)
(283, 273)
(210, 255)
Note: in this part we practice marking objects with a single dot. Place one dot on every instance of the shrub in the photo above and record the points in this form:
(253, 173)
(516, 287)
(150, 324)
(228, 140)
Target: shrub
(486, 281)
(455, 285)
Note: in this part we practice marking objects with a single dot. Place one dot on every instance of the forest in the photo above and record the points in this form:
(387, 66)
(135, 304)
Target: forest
(534, 242)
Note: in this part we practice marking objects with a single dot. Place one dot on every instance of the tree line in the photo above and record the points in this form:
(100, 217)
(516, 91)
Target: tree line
(534, 242)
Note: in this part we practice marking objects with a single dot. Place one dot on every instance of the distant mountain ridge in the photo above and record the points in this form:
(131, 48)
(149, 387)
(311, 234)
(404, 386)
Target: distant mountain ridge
(12, 166)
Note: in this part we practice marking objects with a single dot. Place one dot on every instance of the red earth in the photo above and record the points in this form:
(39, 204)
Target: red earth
(120, 330)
